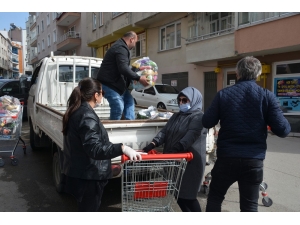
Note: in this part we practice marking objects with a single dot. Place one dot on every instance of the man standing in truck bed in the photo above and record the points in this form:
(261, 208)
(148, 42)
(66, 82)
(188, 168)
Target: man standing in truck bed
(116, 75)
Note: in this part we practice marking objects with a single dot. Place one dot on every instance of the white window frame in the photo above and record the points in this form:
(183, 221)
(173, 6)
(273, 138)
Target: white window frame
(54, 36)
(164, 28)
(94, 19)
(142, 47)
(100, 19)
(48, 40)
(48, 19)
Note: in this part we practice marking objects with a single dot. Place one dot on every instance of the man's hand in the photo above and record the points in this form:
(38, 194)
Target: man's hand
(143, 81)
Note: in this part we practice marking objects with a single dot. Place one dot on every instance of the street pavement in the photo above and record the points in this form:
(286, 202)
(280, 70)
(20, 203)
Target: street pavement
(28, 187)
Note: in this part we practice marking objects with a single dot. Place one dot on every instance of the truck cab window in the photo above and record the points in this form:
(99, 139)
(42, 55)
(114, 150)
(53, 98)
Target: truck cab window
(66, 73)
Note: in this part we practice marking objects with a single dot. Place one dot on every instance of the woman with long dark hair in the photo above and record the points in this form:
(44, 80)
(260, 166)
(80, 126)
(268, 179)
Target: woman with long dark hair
(87, 149)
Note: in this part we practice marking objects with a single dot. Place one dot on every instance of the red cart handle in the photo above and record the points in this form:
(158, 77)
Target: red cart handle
(188, 156)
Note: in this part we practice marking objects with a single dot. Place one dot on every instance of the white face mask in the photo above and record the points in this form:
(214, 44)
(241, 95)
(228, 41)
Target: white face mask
(184, 107)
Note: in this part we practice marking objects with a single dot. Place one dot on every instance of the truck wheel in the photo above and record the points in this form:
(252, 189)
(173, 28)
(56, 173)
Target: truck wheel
(32, 138)
(58, 177)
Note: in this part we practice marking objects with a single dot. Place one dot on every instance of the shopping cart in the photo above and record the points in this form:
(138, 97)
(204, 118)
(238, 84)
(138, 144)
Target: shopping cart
(152, 184)
(11, 113)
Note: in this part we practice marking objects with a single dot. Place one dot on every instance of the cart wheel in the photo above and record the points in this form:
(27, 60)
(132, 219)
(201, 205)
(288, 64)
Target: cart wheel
(1, 162)
(206, 190)
(263, 186)
(14, 161)
(267, 201)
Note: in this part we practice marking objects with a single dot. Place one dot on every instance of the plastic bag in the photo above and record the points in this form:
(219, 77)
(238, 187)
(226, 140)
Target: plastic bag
(9, 106)
(144, 67)
(150, 113)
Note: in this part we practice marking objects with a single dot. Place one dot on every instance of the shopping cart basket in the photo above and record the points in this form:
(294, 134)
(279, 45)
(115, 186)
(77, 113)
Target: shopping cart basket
(11, 113)
(152, 184)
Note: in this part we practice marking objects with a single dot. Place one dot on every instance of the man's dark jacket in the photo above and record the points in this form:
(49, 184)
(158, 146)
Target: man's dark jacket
(244, 111)
(87, 149)
(115, 72)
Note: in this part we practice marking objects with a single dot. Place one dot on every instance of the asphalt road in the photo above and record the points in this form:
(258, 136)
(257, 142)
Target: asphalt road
(28, 187)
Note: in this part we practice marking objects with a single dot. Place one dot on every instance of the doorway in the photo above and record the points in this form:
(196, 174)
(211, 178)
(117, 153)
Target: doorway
(210, 88)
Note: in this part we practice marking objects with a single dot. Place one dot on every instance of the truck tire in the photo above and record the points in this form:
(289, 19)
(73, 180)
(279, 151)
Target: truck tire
(32, 138)
(58, 177)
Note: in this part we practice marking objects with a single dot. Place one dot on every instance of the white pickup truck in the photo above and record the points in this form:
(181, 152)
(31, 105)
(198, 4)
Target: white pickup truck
(52, 82)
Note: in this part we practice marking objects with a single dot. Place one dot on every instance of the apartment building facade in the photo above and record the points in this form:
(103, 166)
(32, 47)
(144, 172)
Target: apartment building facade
(59, 32)
(202, 49)
(4, 56)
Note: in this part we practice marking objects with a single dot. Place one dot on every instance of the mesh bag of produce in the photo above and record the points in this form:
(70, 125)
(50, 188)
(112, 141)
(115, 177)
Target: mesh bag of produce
(144, 67)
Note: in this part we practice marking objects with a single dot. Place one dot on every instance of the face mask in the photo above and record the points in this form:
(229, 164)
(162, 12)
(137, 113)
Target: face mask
(184, 107)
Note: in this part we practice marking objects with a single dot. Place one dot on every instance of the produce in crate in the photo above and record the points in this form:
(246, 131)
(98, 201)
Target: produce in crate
(144, 67)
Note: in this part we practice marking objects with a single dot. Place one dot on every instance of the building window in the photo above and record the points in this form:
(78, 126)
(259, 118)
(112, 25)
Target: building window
(140, 47)
(48, 40)
(43, 44)
(100, 19)
(54, 36)
(53, 15)
(48, 19)
(42, 25)
(38, 48)
(257, 17)
(170, 36)
(38, 29)
(94, 21)
(115, 14)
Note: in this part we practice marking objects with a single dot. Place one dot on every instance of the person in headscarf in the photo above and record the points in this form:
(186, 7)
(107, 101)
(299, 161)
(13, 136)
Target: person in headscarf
(184, 133)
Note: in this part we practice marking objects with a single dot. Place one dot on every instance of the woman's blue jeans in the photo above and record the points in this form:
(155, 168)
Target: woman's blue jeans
(249, 175)
(119, 104)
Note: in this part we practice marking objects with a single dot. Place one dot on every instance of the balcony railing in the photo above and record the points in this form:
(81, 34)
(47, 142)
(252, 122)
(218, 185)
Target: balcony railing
(210, 35)
(70, 34)
(15, 61)
(33, 55)
(15, 69)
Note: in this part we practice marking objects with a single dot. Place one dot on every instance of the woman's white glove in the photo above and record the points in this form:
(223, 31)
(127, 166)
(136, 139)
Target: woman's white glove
(132, 154)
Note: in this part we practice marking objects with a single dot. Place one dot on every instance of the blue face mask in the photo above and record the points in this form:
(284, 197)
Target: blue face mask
(184, 107)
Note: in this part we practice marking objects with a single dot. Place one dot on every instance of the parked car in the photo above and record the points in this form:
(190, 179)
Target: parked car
(161, 96)
(16, 88)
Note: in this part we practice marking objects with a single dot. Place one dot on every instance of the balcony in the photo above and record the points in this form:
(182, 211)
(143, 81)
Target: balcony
(34, 58)
(69, 41)
(33, 41)
(15, 61)
(67, 18)
(32, 22)
(15, 69)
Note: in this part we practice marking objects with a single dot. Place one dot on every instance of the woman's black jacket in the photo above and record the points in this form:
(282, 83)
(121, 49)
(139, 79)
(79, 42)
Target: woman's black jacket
(87, 149)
